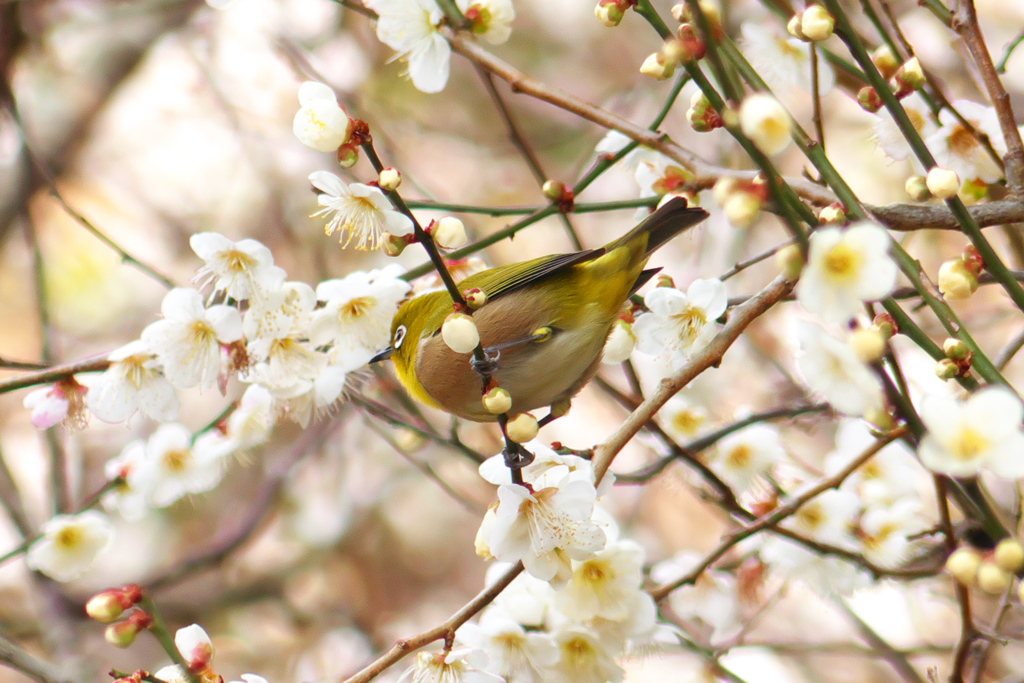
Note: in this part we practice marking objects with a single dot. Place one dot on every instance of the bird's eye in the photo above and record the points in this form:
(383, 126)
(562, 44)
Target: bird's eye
(399, 337)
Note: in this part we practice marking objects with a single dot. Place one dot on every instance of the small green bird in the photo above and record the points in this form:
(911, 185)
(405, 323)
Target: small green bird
(545, 323)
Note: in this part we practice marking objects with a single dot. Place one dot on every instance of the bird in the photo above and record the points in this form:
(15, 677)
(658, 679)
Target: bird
(543, 325)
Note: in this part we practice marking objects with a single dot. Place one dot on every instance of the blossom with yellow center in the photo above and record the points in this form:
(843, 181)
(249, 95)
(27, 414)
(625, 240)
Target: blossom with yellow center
(357, 212)
(980, 433)
(846, 268)
(70, 544)
(680, 324)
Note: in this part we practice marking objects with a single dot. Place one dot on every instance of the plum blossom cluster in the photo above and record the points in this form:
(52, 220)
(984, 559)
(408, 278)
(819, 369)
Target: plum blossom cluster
(876, 512)
(580, 604)
(294, 346)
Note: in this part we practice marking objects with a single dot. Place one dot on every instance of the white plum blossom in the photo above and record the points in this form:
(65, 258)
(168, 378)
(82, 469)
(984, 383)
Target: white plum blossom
(357, 311)
(766, 122)
(956, 148)
(242, 270)
(188, 340)
(63, 401)
(517, 655)
(713, 598)
(783, 61)
(824, 573)
(604, 586)
(846, 268)
(357, 212)
(826, 518)
(885, 531)
(682, 419)
(657, 174)
(891, 474)
(174, 466)
(619, 345)
(980, 433)
(130, 496)
(412, 29)
(133, 382)
(833, 369)
(527, 600)
(891, 139)
(463, 665)
(546, 529)
(70, 544)
(252, 421)
(489, 19)
(742, 457)
(321, 123)
(680, 324)
(584, 658)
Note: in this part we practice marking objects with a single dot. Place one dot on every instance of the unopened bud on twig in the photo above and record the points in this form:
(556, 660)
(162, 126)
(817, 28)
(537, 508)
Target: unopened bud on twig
(522, 428)
(1009, 555)
(963, 565)
(459, 333)
(450, 233)
(497, 401)
(942, 182)
(389, 179)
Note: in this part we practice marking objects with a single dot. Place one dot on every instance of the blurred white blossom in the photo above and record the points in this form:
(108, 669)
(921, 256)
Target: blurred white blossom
(70, 544)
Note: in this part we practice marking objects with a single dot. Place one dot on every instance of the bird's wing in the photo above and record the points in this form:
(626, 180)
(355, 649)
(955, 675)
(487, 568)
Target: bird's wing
(528, 273)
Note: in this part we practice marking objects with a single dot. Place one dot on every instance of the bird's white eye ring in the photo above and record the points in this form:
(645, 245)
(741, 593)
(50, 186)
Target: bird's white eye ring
(399, 337)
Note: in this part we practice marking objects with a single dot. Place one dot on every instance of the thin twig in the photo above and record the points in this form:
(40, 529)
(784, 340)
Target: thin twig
(21, 661)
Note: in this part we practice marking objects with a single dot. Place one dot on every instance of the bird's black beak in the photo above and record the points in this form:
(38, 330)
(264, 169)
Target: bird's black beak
(383, 355)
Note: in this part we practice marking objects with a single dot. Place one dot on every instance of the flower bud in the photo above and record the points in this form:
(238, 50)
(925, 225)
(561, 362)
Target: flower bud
(833, 213)
(885, 61)
(816, 23)
(942, 182)
(348, 155)
(868, 344)
(459, 333)
(974, 190)
(692, 43)
(955, 349)
(766, 122)
(886, 326)
(610, 12)
(393, 245)
(963, 565)
(497, 401)
(106, 607)
(475, 297)
(620, 343)
(956, 281)
(794, 29)
(868, 99)
(1009, 555)
(553, 190)
(946, 369)
(910, 77)
(409, 441)
(881, 419)
(917, 188)
(790, 262)
(675, 52)
(657, 68)
(742, 209)
(992, 579)
(522, 428)
(389, 179)
(664, 281)
(449, 233)
(123, 633)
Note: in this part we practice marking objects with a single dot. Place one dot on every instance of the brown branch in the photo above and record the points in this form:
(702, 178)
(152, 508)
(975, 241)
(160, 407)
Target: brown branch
(54, 374)
(965, 23)
(968, 633)
(710, 356)
(14, 657)
(442, 630)
(706, 174)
